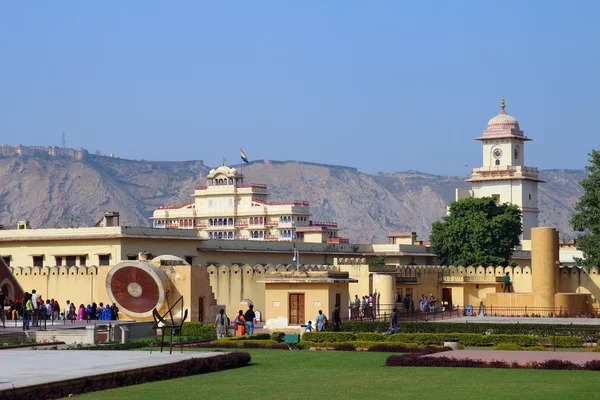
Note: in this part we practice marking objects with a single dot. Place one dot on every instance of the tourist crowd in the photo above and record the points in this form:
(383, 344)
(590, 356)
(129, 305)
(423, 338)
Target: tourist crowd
(32, 309)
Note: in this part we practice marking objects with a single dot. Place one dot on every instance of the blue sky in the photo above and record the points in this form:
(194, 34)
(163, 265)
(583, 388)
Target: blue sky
(380, 86)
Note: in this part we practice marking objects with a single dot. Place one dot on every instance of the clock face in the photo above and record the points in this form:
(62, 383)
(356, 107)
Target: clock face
(497, 153)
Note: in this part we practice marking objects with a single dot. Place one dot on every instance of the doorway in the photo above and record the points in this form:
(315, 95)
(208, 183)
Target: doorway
(200, 309)
(296, 309)
(447, 297)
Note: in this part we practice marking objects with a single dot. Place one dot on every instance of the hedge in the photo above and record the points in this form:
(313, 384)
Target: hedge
(540, 330)
(412, 360)
(278, 336)
(329, 337)
(255, 336)
(247, 344)
(358, 344)
(199, 330)
(466, 339)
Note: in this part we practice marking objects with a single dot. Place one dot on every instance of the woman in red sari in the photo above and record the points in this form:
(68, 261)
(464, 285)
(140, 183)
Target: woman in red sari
(240, 323)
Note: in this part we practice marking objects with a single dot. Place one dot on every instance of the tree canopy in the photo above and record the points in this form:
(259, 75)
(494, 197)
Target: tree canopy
(587, 217)
(477, 231)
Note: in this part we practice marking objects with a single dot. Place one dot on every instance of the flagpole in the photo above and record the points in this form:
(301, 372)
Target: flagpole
(241, 166)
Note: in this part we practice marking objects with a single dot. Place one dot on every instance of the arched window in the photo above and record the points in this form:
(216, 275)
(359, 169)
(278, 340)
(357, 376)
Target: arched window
(230, 235)
(210, 235)
(230, 181)
(220, 235)
(220, 221)
(261, 234)
(497, 162)
(255, 234)
(260, 221)
(230, 221)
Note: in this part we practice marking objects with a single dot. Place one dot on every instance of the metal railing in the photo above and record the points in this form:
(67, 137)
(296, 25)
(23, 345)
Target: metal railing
(383, 312)
(537, 312)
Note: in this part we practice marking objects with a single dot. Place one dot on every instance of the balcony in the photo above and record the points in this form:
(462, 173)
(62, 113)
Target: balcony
(472, 279)
(502, 171)
(324, 223)
(337, 240)
(241, 224)
(272, 223)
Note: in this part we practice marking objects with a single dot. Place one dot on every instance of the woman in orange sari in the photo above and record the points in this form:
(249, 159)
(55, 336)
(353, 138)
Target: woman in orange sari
(240, 323)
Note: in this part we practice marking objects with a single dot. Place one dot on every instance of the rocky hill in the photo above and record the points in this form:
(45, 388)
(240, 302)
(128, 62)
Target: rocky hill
(51, 192)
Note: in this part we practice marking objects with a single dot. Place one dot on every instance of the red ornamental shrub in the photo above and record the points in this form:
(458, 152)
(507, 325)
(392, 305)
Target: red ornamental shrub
(344, 347)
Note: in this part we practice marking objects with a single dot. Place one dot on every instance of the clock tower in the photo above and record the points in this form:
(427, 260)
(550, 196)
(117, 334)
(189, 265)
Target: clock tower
(504, 174)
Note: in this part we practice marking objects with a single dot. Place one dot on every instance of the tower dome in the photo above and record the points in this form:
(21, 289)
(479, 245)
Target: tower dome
(503, 120)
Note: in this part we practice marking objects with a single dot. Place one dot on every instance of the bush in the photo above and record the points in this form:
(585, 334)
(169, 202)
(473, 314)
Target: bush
(371, 337)
(540, 330)
(329, 337)
(534, 348)
(233, 344)
(466, 339)
(255, 336)
(199, 330)
(564, 341)
(344, 347)
(278, 337)
(362, 326)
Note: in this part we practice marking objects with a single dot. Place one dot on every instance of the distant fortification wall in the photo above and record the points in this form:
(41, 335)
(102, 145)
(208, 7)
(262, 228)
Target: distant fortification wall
(23, 151)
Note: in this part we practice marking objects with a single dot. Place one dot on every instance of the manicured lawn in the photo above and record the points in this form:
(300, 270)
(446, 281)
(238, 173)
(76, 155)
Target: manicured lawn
(280, 374)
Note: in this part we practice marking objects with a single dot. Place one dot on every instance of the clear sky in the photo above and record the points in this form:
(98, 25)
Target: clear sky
(380, 86)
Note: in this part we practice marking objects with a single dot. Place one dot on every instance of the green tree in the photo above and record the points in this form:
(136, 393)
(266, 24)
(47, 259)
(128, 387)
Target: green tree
(587, 218)
(477, 231)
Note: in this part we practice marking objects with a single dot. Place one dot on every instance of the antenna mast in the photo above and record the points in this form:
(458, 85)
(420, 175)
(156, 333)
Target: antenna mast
(64, 141)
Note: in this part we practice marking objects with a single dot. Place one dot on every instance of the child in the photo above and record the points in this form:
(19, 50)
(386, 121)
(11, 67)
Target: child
(309, 327)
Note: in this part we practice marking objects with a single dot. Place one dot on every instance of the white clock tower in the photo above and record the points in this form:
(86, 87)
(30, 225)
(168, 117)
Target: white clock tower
(504, 174)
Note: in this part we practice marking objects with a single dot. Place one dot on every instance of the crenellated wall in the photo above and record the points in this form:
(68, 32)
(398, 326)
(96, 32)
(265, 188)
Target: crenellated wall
(230, 285)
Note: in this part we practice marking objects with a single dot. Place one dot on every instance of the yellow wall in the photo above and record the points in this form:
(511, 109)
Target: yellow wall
(76, 284)
(317, 296)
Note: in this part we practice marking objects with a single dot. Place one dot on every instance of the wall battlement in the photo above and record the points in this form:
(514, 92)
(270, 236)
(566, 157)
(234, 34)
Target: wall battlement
(53, 151)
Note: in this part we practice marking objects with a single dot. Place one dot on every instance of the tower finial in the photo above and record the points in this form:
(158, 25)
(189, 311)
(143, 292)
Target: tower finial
(502, 105)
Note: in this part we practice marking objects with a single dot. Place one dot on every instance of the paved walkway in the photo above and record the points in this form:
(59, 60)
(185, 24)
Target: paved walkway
(524, 320)
(520, 356)
(63, 365)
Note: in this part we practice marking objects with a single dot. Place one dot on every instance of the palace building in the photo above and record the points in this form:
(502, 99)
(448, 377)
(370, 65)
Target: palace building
(504, 174)
(228, 209)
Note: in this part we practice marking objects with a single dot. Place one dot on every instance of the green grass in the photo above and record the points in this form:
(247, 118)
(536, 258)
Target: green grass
(279, 374)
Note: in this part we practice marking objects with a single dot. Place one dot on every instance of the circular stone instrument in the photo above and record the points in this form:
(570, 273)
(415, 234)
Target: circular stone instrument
(137, 287)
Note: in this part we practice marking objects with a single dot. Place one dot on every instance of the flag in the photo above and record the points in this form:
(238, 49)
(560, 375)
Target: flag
(244, 157)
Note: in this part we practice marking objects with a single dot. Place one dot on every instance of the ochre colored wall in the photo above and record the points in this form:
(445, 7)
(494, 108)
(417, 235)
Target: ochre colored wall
(76, 284)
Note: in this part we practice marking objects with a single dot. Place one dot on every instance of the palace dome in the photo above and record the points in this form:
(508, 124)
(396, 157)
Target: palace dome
(503, 120)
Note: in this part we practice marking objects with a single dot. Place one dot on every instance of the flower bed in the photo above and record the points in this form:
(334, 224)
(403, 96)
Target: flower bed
(466, 339)
(412, 360)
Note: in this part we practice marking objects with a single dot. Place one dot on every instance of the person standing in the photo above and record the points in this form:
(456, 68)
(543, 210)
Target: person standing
(394, 321)
(321, 322)
(506, 283)
(240, 323)
(221, 324)
(35, 300)
(48, 309)
(27, 310)
(250, 317)
(407, 303)
(432, 301)
(335, 318)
